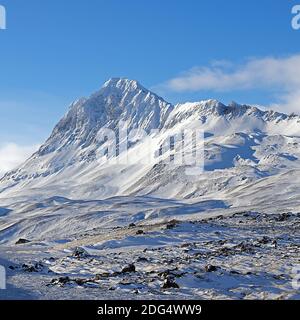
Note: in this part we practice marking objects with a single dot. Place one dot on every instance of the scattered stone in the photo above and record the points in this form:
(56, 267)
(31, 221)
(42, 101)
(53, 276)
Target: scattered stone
(279, 276)
(80, 253)
(234, 272)
(284, 216)
(129, 268)
(140, 232)
(132, 225)
(81, 282)
(61, 280)
(22, 241)
(169, 283)
(210, 268)
(172, 224)
(186, 245)
(37, 267)
(99, 276)
(244, 247)
(265, 240)
(142, 259)
(168, 261)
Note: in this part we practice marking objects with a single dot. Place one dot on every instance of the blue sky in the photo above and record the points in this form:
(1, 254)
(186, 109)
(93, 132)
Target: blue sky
(55, 51)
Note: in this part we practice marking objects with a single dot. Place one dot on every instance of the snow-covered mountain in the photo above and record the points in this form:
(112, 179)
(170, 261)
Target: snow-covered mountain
(243, 144)
(231, 231)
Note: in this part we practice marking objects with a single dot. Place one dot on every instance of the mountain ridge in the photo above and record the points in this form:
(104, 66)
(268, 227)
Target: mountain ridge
(239, 146)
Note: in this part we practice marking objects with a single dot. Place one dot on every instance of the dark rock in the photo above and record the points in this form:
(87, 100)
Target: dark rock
(39, 266)
(140, 232)
(210, 268)
(22, 241)
(102, 275)
(80, 281)
(283, 217)
(132, 225)
(169, 283)
(168, 261)
(234, 272)
(36, 267)
(172, 224)
(129, 268)
(186, 245)
(279, 276)
(80, 253)
(60, 281)
(28, 268)
(265, 240)
(244, 247)
(142, 259)
(63, 280)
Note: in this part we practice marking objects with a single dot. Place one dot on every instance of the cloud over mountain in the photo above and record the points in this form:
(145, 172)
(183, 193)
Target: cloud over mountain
(280, 76)
(12, 155)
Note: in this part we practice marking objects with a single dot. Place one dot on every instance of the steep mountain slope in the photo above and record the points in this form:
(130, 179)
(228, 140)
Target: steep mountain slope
(242, 144)
(77, 139)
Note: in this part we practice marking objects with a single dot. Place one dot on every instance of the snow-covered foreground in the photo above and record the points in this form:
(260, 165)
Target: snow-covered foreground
(221, 253)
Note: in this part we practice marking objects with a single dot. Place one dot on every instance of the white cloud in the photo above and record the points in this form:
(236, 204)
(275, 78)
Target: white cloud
(12, 155)
(280, 75)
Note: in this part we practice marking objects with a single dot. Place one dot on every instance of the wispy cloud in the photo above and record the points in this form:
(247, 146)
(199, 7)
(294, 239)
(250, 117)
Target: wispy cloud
(279, 76)
(12, 155)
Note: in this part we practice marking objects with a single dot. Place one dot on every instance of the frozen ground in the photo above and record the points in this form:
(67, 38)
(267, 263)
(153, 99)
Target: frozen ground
(221, 254)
